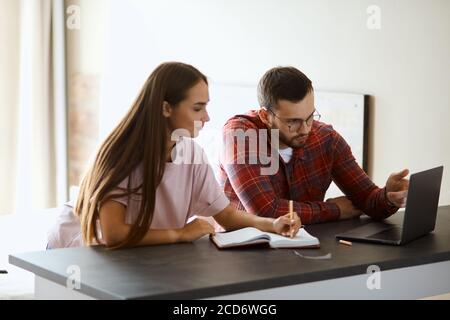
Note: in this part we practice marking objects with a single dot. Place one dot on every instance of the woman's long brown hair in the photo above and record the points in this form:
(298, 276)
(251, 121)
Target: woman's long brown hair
(139, 139)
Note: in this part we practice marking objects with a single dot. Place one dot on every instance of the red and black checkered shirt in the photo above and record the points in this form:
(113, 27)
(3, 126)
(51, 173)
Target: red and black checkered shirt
(305, 179)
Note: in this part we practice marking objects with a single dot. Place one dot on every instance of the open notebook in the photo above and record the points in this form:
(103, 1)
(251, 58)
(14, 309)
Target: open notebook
(250, 236)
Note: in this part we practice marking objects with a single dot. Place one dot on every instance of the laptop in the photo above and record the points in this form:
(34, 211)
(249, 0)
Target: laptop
(420, 213)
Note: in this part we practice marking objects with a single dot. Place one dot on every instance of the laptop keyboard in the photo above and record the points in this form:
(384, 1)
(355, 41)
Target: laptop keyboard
(389, 234)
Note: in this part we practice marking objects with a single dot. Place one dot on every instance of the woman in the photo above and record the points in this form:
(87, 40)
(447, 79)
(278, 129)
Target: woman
(146, 183)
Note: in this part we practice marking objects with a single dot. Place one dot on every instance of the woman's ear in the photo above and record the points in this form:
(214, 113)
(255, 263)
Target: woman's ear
(167, 109)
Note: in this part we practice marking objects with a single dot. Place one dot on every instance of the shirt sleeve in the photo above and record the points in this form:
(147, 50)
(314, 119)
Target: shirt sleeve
(209, 198)
(355, 183)
(257, 195)
(133, 201)
(117, 194)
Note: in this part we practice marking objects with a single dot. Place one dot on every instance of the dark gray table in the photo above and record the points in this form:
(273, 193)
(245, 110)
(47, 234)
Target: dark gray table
(200, 270)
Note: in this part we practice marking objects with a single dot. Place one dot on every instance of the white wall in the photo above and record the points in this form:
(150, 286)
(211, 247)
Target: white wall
(9, 88)
(404, 65)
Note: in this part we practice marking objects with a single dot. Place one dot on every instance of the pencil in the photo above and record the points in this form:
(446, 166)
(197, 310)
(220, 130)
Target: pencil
(347, 243)
(291, 215)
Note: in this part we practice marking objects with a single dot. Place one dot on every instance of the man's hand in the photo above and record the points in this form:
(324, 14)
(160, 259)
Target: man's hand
(348, 210)
(397, 188)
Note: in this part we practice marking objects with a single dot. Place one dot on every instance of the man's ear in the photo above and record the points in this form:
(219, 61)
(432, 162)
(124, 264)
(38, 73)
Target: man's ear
(167, 109)
(264, 116)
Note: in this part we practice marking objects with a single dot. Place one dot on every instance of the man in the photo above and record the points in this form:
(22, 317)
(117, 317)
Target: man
(311, 155)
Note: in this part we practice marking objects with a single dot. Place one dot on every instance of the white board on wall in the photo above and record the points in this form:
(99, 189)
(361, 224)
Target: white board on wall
(345, 111)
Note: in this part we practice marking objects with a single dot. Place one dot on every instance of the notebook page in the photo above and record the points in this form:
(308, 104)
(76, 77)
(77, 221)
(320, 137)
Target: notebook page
(302, 238)
(240, 236)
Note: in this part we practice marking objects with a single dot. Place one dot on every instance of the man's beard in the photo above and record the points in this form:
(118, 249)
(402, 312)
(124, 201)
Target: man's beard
(294, 142)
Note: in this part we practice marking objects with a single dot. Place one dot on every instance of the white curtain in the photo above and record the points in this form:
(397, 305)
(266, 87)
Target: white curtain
(33, 165)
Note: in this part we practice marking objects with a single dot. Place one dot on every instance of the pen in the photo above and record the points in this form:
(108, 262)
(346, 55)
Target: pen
(3, 272)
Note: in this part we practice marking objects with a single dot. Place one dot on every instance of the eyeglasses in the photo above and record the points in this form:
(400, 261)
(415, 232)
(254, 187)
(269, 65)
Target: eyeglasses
(295, 124)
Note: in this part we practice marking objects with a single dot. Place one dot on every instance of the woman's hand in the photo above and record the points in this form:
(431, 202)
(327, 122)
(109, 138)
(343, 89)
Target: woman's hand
(195, 230)
(284, 225)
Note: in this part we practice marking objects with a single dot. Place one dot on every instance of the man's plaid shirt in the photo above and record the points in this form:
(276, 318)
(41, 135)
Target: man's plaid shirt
(305, 179)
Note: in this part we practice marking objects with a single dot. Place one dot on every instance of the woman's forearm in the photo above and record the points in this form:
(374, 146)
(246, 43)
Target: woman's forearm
(261, 223)
(152, 237)
(231, 219)
(264, 224)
